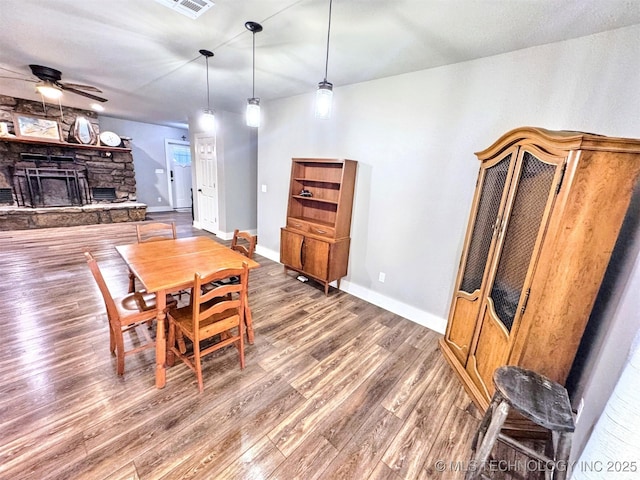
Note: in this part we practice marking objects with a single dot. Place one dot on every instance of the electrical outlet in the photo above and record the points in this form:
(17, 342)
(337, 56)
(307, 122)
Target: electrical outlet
(159, 199)
(381, 277)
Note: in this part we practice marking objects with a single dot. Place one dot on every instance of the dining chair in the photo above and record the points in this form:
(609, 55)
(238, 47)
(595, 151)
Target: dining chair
(126, 313)
(216, 315)
(152, 232)
(244, 242)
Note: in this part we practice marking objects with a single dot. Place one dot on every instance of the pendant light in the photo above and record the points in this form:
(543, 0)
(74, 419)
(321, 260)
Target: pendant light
(253, 103)
(324, 94)
(207, 120)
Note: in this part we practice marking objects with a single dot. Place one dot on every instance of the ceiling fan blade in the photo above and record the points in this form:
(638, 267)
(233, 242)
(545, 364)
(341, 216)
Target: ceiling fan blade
(17, 78)
(81, 92)
(13, 71)
(79, 86)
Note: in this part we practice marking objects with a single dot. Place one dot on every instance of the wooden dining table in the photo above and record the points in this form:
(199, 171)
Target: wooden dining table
(168, 266)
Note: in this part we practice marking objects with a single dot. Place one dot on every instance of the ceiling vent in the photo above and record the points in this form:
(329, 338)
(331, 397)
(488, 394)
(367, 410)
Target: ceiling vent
(189, 8)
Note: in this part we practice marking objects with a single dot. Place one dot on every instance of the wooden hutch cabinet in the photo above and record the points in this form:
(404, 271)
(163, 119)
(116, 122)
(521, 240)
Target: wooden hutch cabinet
(316, 240)
(545, 217)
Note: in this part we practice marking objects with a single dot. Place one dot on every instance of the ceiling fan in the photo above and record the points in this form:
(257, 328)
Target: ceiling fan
(49, 81)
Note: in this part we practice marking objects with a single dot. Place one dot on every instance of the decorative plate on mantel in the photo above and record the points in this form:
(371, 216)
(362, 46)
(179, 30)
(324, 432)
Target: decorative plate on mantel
(110, 139)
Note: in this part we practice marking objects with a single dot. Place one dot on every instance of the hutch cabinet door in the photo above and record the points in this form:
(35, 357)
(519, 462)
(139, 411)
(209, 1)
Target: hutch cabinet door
(291, 249)
(489, 199)
(315, 258)
(520, 233)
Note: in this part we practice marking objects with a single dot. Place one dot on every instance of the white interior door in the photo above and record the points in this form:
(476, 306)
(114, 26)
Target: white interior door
(207, 181)
(179, 168)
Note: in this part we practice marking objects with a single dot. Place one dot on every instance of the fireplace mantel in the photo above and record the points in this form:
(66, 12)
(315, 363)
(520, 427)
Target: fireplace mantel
(76, 146)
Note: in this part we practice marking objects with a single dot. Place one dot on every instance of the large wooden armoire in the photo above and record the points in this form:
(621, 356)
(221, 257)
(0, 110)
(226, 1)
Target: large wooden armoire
(545, 217)
(315, 241)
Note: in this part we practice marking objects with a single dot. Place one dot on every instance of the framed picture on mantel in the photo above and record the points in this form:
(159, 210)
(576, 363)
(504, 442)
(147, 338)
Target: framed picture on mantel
(28, 126)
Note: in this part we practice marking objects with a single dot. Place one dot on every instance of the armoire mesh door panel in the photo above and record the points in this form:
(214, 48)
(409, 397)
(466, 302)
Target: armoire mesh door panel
(488, 206)
(519, 239)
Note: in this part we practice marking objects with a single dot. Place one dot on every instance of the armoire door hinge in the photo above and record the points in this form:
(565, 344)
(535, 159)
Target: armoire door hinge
(564, 168)
(526, 300)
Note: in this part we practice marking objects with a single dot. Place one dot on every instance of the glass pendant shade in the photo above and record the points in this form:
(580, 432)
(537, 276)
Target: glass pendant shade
(253, 112)
(49, 90)
(208, 121)
(324, 99)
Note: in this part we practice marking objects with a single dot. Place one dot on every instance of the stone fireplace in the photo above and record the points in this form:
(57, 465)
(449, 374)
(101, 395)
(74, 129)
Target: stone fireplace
(47, 183)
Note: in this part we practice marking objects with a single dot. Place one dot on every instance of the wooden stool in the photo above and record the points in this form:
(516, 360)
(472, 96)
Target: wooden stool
(544, 402)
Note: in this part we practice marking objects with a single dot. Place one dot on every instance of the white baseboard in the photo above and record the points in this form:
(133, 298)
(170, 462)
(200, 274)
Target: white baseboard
(270, 254)
(426, 319)
(229, 235)
(159, 209)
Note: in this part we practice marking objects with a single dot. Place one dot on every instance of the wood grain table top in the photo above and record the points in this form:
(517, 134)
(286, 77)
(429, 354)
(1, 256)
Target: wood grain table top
(171, 264)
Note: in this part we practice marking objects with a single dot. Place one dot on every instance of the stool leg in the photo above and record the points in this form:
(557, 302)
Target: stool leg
(484, 424)
(498, 418)
(563, 451)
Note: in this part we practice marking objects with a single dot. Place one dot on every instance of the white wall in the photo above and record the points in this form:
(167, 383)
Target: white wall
(236, 148)
(237, 156)
(148, 150)
(414, 136)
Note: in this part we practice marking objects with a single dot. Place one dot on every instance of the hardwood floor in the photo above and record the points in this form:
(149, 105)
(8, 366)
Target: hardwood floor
(333, 388)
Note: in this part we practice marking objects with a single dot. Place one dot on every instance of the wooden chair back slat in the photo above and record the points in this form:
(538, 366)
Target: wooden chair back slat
(153, 232)
(244, 242)
(213, 314)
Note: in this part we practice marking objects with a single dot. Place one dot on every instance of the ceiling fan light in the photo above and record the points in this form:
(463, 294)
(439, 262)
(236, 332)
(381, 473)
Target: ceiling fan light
(208, 121)
(48, 90)
(253, 112)
(324, 99)
(97, 107)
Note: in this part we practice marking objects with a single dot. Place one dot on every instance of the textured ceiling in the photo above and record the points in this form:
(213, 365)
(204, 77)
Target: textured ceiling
(144, 56)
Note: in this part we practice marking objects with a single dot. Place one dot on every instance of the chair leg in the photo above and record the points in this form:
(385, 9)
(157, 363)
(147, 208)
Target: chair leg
(132, 282)
(119, 350)
(112, 340)
(248, 321)
(241, 348)
(171, 342)
(198, 364)
(182, 348)
(498, 417)
(484, 425)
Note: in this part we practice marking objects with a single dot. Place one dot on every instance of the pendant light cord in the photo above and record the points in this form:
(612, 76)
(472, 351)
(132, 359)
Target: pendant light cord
(253, 88)
(208, 102)
(326, 63)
